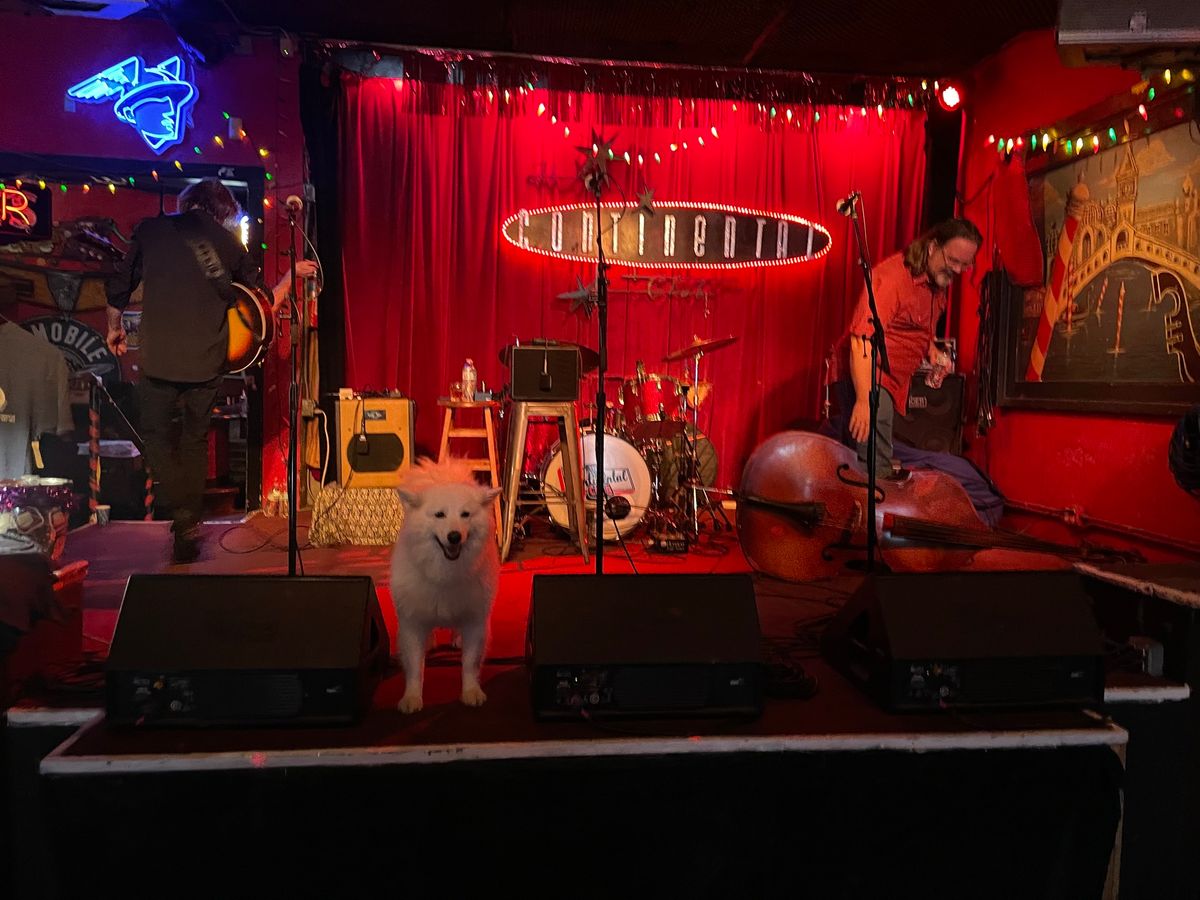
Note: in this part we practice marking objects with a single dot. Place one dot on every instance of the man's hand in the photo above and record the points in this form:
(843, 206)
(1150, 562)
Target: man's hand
(116, 341)
(305, 268)
(860, 420)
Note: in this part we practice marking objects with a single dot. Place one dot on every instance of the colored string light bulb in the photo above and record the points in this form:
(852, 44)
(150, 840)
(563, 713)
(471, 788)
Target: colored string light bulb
(1112, 134)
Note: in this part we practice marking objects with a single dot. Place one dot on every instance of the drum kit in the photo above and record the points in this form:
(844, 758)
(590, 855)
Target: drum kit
(660, 467)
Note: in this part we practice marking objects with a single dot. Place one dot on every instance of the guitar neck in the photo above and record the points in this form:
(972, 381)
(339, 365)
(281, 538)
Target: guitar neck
(908, 528)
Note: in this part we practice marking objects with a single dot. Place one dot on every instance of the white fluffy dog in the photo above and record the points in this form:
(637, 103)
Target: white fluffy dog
(445, 571)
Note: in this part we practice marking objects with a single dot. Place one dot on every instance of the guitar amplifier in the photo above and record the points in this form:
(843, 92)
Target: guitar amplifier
(374, 440)
(545, 373)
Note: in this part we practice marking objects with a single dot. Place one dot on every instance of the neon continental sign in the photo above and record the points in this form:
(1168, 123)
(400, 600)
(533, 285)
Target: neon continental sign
(675, 235)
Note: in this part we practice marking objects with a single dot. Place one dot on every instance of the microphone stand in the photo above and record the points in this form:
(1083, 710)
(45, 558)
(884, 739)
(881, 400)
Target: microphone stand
(601, 399)
(879, 361)
(293, 403)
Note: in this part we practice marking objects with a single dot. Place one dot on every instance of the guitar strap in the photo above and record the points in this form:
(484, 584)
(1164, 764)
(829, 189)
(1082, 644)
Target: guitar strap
(208, 261)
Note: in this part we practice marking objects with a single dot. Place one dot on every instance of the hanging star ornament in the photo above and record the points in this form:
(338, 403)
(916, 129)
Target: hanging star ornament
(646, 200)
(583, 297)
(593, 171)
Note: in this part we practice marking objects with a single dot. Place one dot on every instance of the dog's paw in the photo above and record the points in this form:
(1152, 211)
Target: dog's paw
(473, 696)
(411, 704)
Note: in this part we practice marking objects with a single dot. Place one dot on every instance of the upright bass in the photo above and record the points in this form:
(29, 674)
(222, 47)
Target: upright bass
(802, 513)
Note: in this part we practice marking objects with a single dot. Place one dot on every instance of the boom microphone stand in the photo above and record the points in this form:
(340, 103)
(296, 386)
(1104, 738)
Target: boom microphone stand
(879, 361)
(293, 207)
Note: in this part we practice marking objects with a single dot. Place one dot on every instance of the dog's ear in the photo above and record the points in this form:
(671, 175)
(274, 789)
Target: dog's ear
(410, 499)
(488, 496)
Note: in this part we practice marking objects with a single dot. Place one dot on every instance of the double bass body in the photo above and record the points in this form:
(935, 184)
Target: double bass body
(802, 511)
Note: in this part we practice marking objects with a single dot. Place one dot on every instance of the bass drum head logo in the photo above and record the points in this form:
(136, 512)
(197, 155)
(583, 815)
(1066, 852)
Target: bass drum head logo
(82, 346)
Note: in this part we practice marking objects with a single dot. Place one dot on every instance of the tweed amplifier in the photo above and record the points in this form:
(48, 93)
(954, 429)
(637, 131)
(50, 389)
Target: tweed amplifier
(374, 440)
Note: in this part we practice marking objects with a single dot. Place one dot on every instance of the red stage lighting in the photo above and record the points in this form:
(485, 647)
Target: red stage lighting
(949, 98)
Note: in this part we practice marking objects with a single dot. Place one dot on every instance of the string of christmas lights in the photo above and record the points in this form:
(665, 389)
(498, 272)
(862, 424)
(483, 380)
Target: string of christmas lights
(1165, 98)
(236, 134)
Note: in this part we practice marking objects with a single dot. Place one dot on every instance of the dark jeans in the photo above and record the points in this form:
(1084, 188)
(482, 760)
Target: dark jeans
(178, 453)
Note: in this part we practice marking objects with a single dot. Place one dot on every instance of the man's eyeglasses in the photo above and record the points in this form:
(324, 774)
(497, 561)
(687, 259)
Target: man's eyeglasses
(957, 265)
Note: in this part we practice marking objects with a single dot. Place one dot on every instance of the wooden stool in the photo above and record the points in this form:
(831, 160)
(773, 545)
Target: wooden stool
(568, 436)
(453, 430)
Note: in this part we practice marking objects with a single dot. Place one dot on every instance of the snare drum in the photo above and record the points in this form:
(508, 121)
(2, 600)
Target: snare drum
(626, 476)
(33, 515)
(652, 406)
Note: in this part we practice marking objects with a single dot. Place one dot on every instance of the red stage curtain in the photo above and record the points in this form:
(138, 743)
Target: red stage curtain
(429, 172)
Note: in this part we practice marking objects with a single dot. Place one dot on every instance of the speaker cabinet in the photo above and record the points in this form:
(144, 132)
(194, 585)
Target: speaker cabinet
(934, 418)
(245, 650)
(970, 640)
(545, 373)
(374, 440)
(644, 645)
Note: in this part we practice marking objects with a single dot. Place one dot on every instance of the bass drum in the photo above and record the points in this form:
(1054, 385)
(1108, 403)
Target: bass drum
(626, 476)
(673, 460)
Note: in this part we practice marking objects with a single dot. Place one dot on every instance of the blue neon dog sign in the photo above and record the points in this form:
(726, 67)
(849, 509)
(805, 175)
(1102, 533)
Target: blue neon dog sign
(155, 100)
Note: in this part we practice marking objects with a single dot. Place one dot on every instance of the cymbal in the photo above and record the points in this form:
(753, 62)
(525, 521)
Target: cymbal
(589, 359)
(698, 346)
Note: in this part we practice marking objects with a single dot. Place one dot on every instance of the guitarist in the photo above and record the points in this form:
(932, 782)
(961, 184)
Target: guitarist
(185, 264)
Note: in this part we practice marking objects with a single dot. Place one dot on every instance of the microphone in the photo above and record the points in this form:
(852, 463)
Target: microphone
(293, 203)
(846, 206)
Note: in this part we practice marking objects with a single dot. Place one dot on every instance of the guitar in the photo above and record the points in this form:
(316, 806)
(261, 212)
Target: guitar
(251, 328)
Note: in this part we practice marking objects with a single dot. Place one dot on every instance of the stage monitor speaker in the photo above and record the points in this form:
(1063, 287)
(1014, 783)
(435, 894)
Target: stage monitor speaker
(934, 417)
(545, 373)
(644, 645)
(970, 640)
(374, 441)
(245, 650)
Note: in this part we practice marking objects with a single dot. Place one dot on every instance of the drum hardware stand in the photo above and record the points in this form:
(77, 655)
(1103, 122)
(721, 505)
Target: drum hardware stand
(693, 483)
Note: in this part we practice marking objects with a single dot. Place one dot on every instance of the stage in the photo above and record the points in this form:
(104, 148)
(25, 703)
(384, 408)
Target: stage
(823, 795)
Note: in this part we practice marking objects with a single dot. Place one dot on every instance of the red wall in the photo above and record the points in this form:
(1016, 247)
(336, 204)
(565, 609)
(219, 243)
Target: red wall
(1113, 468)
(46, 55)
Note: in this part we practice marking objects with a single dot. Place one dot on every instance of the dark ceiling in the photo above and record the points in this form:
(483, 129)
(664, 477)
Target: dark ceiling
(870, 37)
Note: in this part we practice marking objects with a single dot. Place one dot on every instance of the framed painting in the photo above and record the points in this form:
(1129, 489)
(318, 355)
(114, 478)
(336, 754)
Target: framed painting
(1113, 327)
